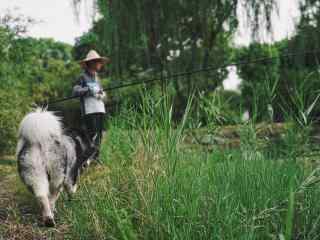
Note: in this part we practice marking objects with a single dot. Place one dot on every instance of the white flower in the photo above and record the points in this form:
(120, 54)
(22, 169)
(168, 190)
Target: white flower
(169, 39)
(159, 46)
(169, 58)
(176, 42)
(174, 53)
(186, 41)
(177, 53)
(190, 19)
(187, 47)
(199, 42)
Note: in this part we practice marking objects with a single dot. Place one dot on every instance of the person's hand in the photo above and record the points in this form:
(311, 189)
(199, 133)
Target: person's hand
(94, 91)
(100, 95)
(83, 91)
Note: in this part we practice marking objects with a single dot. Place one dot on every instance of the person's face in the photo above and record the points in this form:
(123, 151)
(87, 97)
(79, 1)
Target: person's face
(98, 66)
(95, 66)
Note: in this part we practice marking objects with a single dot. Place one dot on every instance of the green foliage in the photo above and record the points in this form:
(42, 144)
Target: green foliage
(145, 32)
(300, 96)
(279, 87)
(31, 71)
(12, 109)
(260, 80)
(5, 38)
(220, 108)
(169, 37)
(156, 186)
(308, 34)
(54, 81)
(84, 44)
(46, 68)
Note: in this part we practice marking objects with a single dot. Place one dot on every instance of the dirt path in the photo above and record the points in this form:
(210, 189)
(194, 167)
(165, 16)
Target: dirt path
(18, 210)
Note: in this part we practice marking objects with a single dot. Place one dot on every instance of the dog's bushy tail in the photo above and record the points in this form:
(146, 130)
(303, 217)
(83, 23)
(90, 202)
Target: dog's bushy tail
(39, 126)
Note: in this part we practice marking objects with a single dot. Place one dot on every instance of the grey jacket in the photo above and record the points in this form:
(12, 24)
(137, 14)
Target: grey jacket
(91, 94)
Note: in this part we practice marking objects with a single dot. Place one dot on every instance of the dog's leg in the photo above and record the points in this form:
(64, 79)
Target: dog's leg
(47, 214)
(41, 192)
(71, 189)
(53, 197)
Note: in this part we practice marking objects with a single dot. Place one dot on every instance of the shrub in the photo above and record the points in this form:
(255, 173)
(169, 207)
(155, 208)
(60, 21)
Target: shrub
(12, 109)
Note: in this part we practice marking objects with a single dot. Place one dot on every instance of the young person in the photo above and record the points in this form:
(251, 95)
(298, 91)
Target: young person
(91, 94)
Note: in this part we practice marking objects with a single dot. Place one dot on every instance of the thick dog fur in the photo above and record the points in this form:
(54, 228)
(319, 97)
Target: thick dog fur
(49, 159)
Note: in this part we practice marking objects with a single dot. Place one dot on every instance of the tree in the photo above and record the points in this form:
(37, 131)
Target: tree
(31, 70)
(17, 24)
(300, 82)
(307, 37)
(171, 36)
(260, 80)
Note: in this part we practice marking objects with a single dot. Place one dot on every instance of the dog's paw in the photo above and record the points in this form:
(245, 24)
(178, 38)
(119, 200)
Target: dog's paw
(87, 163)
(73, 188)
(49, 222)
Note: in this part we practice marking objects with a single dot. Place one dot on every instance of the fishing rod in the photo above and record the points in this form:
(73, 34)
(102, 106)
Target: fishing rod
(189, 73)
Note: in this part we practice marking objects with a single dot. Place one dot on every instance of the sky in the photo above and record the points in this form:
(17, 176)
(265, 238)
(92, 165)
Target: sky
(56, 18)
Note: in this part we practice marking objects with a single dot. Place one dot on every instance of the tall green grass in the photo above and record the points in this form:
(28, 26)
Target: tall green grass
(155, 186)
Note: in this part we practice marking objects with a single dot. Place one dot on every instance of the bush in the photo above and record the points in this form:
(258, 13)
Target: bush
(260, 80)
(220, 108)
(12, 109)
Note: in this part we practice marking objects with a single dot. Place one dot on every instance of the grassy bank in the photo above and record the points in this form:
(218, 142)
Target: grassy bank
(156, 187)
(157, 182)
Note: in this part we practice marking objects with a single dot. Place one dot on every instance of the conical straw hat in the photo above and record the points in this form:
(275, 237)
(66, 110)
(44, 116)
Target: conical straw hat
(93, 55)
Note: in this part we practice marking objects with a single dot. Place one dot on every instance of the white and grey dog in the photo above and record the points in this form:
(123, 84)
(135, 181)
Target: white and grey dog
(49, 159)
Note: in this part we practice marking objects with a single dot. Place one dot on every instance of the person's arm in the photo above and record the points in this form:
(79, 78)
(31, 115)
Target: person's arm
(78, 89)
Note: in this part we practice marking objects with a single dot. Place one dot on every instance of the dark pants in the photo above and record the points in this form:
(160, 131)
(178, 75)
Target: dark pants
(94, 128)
